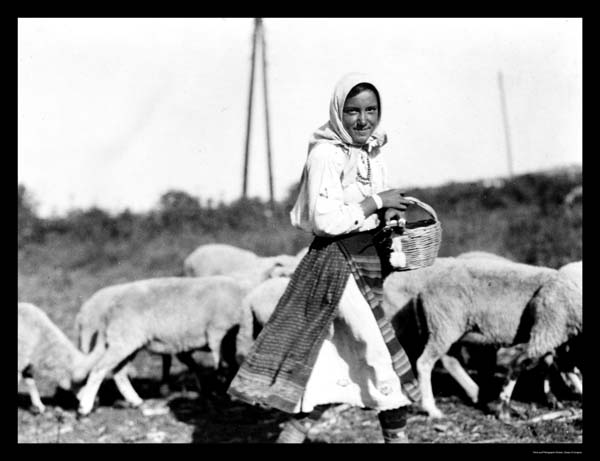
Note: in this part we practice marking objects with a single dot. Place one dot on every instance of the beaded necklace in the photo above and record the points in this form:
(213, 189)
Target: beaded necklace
(359, 177)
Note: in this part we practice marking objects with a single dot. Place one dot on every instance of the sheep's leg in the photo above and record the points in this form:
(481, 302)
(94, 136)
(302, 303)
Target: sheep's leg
(214, 343)
(573, 381)
(126, 389)
(34, 394)
(521, 361)
(187, 359)
(425, 365)
(166, 374)
(111, 359)
(461, 376)
(548, 394)
(88, 393)
(503, 410)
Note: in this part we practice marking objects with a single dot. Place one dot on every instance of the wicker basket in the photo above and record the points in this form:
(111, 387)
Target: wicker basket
(419, 241)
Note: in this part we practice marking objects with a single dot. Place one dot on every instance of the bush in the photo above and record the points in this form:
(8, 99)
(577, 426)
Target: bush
(524, 218)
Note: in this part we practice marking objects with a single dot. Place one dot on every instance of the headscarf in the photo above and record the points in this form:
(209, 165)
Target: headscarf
(333, 131)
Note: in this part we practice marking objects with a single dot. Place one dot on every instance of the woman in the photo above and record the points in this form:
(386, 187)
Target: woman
(325, 341)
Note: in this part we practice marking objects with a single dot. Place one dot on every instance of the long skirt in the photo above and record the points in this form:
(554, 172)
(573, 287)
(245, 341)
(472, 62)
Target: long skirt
(354, 365)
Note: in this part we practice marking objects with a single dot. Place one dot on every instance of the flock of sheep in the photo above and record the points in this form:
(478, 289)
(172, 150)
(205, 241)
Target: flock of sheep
(533, 313)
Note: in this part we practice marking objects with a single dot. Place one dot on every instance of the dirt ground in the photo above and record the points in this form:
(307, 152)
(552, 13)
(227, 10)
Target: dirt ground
(186, 417)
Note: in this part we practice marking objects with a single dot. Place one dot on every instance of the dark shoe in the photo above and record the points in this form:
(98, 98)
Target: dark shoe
(292, 432)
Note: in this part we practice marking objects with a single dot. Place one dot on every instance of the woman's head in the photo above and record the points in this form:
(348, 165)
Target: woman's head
(360, 115)
(355, 109)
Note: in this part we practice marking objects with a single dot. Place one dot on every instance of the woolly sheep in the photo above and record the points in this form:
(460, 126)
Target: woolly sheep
(223, 259)
(532, 309)
(574, 271)
(257, 307)
(568, 372)
(571, 357)
(43, 347)
(481, 254)
(90, 320)
(171, 315)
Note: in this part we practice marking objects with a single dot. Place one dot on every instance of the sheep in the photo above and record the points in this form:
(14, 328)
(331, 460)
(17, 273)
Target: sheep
(568, 356)
(569, 373)
(170, 315)
(574, 271)
(257, 307)
(89, 321)
(43, 347)
(223, 259)
(534, 310)
(481, 254)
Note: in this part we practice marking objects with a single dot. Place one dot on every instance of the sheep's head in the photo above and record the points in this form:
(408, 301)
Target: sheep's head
(282, 266)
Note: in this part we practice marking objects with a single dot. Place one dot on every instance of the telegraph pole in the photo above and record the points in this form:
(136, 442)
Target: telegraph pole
(506, 127)
(249, 118)
(258, 41)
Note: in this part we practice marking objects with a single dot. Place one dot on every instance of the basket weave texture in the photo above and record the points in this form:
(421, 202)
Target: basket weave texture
(421, 240)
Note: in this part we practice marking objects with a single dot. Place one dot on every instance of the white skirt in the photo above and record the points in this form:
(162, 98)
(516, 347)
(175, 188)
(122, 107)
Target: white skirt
(354, 365)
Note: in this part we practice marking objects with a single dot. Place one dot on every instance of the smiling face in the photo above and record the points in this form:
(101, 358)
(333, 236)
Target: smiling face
(361, 115)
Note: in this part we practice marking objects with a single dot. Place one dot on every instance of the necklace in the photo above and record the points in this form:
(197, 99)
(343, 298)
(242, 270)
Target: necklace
(359, 177)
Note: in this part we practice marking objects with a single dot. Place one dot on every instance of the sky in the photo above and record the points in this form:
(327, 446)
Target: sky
(113, 112)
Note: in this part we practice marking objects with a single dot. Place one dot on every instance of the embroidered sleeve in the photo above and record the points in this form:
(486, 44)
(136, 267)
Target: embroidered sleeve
(329, 214)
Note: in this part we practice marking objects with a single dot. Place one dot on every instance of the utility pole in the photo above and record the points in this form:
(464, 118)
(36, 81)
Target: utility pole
(258, 41)
(506, 127)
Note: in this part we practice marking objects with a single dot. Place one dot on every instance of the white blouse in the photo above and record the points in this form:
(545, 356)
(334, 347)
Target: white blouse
(328, 201)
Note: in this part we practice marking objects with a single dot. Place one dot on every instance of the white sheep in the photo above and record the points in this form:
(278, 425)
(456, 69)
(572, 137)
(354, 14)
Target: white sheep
(481, 254)
(574, 271)
(532, 309)
(568, 356)
(223, 259)
(42, 347)
(171, 315)
(257, 307)
(569, 373)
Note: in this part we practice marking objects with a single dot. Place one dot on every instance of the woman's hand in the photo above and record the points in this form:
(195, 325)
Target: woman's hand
(391, 198)
(394, 198)
(393, 214)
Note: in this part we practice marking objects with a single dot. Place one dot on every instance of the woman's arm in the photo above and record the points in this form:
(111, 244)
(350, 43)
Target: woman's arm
(329, 215)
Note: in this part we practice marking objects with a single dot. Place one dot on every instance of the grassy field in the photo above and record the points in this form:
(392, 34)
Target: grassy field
(59, 271)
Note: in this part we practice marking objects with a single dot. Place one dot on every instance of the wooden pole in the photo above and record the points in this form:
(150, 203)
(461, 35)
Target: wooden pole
(506, 127)
(249, 119)
(269, 158)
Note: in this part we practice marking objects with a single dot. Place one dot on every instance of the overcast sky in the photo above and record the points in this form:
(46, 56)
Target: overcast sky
(114, 112)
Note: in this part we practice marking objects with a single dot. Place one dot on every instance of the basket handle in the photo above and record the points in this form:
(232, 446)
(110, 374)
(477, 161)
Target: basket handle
(423, 205)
